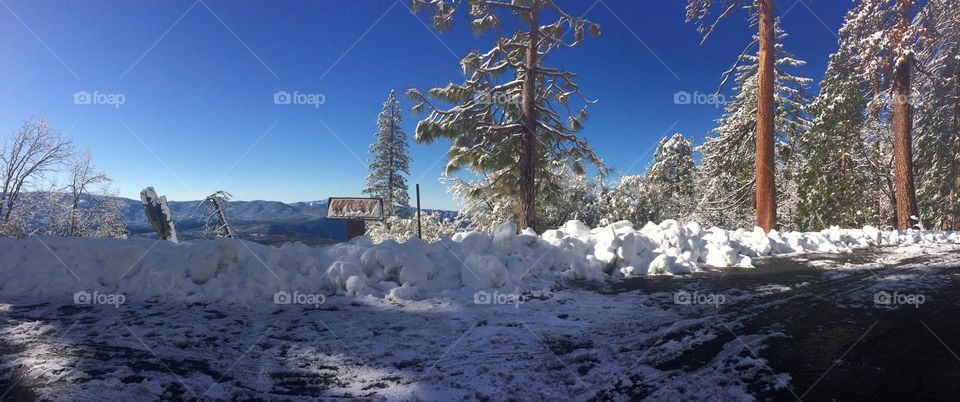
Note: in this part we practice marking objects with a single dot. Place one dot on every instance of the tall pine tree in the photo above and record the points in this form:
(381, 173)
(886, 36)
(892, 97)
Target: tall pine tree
(513, 120)
(765, 192)
(390, 160)
(728, 170)
(938, 119)
(886, 39)
(835, 174)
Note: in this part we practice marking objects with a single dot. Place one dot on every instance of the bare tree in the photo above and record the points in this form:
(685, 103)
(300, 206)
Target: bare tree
(217, 222)
(83, 176)
(27, 155)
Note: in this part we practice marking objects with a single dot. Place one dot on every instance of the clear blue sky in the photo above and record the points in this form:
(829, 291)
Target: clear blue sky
(198, 80)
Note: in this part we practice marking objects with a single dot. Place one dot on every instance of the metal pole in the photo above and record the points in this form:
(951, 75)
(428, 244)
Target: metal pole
(419, 229)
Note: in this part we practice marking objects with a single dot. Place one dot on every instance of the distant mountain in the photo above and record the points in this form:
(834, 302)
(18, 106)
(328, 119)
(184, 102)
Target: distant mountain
(269, 222)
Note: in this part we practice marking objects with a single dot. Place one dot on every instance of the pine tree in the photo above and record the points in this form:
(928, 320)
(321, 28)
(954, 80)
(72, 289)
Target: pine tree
(765, 200)
(513, 119)
(887, 39)
(834, 177)
(938, 119)
(390, 160)
(669, 181)
(728, 169)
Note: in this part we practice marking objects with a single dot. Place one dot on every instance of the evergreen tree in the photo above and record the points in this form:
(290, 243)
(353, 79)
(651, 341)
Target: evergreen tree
(834, 178)
(629, 200)
(390, 160)
(886, 38)
(727, 173)
(513, 119)
(938, 119)
(670, 180)
(762, 13)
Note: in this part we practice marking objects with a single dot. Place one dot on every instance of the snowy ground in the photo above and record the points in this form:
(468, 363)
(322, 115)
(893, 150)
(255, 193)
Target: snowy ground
(721, 335)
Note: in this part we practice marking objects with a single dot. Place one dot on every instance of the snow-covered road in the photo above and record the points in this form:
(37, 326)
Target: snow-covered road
(726, 335)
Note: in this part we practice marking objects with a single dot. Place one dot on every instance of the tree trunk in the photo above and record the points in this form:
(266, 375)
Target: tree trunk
(224, 223)
(766, 203)
(74, 216)
(903, 133)
(391, 205)
(954, 136)
(526, 216)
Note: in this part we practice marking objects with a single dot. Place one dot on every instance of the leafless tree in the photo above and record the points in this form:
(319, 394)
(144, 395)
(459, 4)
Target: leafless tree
(83, 176)
(26, 156)
(217, 223)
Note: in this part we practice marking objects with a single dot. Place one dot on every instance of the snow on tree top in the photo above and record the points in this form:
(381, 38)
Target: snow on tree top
(355, 208)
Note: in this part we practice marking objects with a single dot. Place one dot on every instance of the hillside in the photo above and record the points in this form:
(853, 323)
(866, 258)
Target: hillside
(267, 222)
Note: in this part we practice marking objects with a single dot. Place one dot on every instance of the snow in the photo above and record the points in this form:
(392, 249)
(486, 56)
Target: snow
(240, 271)
(568, 342)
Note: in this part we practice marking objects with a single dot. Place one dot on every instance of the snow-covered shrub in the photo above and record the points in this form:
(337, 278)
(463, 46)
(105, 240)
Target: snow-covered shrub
(433, 225)
(564, 195)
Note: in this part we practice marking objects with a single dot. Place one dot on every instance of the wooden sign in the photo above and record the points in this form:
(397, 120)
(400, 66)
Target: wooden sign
(362, 209)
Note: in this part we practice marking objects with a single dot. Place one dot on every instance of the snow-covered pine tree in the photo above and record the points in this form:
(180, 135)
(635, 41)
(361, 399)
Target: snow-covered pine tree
(886, 38)
(568, 196)
(390, 160)
(762, 15)
(938, 118)
(835, 177)
(727, 173)
(513, 119)
(628, 200)
(670, 180)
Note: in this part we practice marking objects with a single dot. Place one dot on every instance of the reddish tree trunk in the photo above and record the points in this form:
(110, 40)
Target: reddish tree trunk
(903, 134)
(766, 186)
(953, 218)
(526, 216)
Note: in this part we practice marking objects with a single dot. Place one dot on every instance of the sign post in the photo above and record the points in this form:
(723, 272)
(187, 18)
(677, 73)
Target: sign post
(419, 230)
(356, 211)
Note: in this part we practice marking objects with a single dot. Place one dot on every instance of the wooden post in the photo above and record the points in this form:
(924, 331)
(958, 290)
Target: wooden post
(356, 227)
(158, 214)
(419, 229)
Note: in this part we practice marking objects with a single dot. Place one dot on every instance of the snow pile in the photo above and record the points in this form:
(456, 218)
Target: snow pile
(233, 270)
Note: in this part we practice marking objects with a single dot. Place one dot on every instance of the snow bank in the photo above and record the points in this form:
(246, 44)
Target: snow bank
(237, 271)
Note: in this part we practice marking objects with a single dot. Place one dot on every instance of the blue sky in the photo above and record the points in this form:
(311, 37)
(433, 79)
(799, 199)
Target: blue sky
(198, 81)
